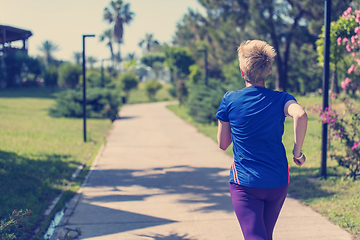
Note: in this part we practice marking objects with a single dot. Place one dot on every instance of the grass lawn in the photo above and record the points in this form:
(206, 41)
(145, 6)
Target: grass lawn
(38, 153)
(139, 95)
(336, 198)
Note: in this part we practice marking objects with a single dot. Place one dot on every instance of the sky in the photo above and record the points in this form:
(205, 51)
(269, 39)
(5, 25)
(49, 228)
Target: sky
(65, 21)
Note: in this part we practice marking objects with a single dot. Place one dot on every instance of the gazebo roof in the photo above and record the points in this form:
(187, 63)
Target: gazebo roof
(13, 34)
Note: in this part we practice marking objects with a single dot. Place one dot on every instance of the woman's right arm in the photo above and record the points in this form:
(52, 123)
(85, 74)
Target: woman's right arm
(294, 110)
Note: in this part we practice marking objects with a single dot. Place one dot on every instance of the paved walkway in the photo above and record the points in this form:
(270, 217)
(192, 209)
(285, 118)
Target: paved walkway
(158, 178)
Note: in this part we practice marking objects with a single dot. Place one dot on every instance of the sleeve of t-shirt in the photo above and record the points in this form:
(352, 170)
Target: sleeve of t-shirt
(222, 113)
(288, 97)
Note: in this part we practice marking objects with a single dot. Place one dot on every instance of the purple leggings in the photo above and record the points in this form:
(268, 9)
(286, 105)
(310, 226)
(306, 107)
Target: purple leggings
(257, 209)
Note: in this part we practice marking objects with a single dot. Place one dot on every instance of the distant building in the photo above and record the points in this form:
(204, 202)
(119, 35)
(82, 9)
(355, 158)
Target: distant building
(10, 34)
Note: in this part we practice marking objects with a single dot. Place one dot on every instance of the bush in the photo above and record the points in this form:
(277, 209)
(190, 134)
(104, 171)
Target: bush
(100, 103)
(344, 127)
(152, 87)
(152, 57)
(128, 82)
(93, 80)
(51, 77)
(16, 226)
(69, 75)
(204, 101)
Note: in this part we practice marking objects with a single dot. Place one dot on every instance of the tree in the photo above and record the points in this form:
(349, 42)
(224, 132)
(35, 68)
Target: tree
(51, 76)
(91, 60)
(150, 58)
(228, 23)
(128, 82)
(69, 75)
(149, 42)
(152, 87)
(108, 36)
(119, 14)
(178, 59)
(77, 57)
(20, 68)
(48, 48)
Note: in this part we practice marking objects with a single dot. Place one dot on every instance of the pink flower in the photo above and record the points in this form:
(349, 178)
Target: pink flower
(356, 144)
(351, 69)
(348, 47)
(357, 60)
(345, 40)
(353, 54)
(357, 19)
(357, 29)
(347, 80)
(349, 10)
(343, 84)
(352, 39)
(338, 41)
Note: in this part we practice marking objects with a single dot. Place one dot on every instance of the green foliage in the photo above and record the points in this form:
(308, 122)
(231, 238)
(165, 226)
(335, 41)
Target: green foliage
(232, 75)
(19, 66)
(151, 57)
(139, 95)
(152, 87)
(195, 74)
(343, 28)
(344, 127)
(203, 101)
(305, 74)
(179, 58)
(69, 75)
(16, 226)
(93, 79)
(51, 76)
(128, 81)
(100, 103)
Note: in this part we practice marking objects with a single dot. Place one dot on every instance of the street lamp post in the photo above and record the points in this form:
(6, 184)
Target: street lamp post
(324, 139)
(206, 65)
(84, 83)
(102, 71)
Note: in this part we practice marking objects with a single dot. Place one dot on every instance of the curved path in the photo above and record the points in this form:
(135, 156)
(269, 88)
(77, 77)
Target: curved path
(159, 178)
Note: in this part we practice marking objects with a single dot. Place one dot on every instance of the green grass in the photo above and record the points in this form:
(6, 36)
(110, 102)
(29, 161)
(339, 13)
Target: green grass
(336, 198)
(38, 153)
(139, 95)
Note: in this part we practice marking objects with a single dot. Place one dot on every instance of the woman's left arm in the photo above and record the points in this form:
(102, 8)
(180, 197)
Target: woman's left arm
(224, 135)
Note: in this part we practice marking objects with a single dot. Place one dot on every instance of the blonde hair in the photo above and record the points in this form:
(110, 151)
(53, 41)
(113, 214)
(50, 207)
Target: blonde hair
(256, 58)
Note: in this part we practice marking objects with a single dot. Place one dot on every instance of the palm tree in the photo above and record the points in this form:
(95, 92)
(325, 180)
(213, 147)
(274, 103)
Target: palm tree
(48, 48)
(91, 60)
(130, 56)
(120, 14)
(108, 35)
(77, 57)
(149, 42)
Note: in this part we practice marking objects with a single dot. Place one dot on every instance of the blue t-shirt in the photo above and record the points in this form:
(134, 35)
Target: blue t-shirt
(256, 117)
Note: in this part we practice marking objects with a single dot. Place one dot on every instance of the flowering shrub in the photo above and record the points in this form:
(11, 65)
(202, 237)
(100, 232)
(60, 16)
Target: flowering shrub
(344, 127)
(351, 22)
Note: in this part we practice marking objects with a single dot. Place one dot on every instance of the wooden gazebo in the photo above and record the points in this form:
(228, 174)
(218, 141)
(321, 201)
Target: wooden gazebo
(10, 34)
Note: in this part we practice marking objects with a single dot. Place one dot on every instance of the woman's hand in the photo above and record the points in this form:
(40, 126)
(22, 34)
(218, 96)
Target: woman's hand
(299, 160)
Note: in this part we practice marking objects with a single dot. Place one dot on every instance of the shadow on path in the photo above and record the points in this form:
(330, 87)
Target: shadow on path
(204, 185)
